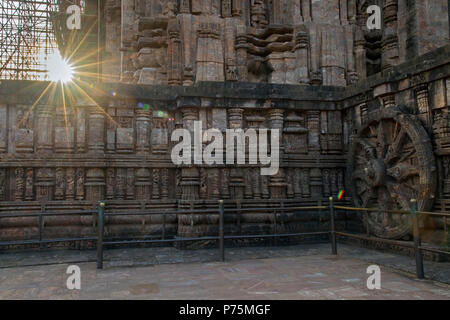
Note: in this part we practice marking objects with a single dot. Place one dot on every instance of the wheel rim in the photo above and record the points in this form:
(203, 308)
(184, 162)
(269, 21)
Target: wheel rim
(392, 162)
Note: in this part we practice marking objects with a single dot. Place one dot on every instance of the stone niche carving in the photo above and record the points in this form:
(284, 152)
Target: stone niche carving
(143, 184)
(65, 130)
(331, 132)
(295, 135)
(95, 184)
(24, 130)
(45, 183)
(125, 130)
(160, 133)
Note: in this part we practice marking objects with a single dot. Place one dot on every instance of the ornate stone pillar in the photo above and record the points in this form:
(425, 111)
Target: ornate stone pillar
(305, 183)
(110, 182)
(313, 125)
(3, 128)
(127, 32)
(301, 50)
(81, 129)
(423, 105)
(237, 185)
(165, 183)
(60, 184)
(190, 176)
(80, 183)
(130, 184)
(121, 177)
(360, 54)
(326, 182)
(155, 184)
(256, 183)
(96, 141)
(70, 184)
(174, 53)
(64, 130)
(143, 129)
(44, 138)
(159, 136)
(241, 53)
(390, 50)
(297, 183)
(20, 185)
(224, 186)
(29, 184)
(2, 184)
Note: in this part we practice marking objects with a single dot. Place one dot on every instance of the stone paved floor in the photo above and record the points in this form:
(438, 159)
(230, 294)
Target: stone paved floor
(308, 272)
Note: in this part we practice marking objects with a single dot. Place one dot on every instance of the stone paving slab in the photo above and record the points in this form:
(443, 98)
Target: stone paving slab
(302, 277)
(297, 272)
(135, 257)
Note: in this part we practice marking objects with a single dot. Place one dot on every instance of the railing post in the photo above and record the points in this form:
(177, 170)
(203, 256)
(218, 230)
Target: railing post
(417, 240)
(221, 232)
(100, 229)
(332, 228)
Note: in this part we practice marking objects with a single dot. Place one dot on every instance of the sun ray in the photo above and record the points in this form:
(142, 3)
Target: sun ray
(36, 102)
(83, 92)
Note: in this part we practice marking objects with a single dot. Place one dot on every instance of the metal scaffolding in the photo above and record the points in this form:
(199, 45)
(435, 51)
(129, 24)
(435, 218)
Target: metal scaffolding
(26, 38)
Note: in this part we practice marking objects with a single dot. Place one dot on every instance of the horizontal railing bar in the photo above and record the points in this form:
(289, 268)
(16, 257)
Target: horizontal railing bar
(393, 242)
(371, 210)
(434, 250)
(275, 209)
(140, 213)
(46, 214)
(213, 211)
(158, 240)
(276, 235)
(23, 242)
(440, 214)
(179, 239)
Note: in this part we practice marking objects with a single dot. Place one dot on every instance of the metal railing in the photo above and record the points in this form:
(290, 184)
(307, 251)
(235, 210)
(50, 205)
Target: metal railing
(221, 236)
(40, 217)
(417, 239)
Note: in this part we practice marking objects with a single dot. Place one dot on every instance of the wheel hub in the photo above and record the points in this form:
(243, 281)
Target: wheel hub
(376, 171)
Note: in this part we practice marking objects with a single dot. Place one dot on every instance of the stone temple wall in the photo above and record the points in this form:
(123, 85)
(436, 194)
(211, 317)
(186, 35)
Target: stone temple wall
(307, 68)
(118, 152)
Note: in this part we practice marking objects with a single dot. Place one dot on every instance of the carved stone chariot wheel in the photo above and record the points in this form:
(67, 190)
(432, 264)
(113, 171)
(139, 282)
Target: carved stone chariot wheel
(391, 162)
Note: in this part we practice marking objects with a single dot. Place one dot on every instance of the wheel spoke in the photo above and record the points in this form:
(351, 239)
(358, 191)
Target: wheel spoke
(403, 171)
(394, 148)
(385, 202)
(366, 198)
(401, 194)
(381, 141)
(369, 149)
(406, 156)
